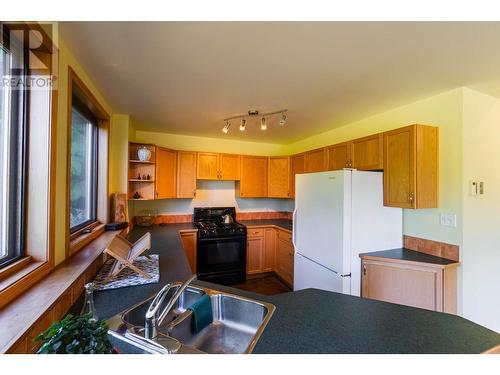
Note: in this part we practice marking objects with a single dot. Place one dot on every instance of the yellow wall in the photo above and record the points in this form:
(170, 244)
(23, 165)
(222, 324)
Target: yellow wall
(66, 59)
(443, 110)
(118, 151)
(480, 253)
(190, 143)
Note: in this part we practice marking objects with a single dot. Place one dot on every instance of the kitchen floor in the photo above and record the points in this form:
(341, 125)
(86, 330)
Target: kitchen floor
(269, 285)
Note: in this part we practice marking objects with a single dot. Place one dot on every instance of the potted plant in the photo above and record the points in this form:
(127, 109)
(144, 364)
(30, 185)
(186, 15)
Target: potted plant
(76, 335)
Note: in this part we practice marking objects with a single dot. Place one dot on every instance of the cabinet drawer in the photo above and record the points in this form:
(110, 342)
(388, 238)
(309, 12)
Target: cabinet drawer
(255, 232)
(285, 236)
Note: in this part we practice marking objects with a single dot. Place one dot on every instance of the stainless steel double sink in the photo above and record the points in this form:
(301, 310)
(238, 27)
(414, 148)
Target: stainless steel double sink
(237, 324)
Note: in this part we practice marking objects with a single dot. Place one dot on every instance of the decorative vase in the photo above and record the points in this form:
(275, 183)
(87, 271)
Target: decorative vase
(143, 153)
(88, 306)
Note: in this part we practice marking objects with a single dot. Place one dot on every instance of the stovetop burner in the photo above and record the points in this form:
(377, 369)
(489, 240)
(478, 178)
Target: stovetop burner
(209, 223)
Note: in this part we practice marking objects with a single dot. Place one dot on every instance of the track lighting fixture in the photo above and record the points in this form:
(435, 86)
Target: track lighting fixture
(263, 125)
(253, 113)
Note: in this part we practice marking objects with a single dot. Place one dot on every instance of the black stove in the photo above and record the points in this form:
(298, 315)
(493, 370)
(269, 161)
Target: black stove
(221, 248)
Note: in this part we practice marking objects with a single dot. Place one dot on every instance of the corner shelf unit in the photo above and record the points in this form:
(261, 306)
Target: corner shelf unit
(145, 187)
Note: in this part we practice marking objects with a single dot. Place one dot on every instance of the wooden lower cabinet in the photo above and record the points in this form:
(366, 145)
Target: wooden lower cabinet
(284, 257)
(269, 256)
(423, 285)
(189, 243)
(270, 250)
(255, 250)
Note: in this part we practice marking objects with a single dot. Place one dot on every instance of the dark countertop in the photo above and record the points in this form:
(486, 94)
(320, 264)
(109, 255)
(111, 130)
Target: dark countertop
(282, 223)
(411, 256)
(315, 321)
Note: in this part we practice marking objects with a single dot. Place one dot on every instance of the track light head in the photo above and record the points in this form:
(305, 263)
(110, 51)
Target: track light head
(243, 124)
(225, 129)
(283, 119)
(263, 124)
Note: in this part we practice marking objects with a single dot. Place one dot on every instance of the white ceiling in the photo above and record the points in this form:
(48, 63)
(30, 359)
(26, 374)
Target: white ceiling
(186, 77)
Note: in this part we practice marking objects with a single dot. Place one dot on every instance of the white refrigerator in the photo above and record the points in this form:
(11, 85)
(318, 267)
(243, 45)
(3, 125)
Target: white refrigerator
(337, 216)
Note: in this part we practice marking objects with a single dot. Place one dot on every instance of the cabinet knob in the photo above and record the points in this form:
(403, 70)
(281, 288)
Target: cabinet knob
(364, 269)
(410, 197)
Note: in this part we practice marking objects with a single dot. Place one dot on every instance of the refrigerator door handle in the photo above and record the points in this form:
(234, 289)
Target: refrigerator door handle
(294, 228)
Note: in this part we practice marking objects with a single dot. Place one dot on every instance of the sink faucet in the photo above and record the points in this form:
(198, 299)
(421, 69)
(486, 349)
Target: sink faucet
(154, 318)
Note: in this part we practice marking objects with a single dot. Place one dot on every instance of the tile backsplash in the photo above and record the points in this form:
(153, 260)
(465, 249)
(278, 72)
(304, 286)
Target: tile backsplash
(214, 194)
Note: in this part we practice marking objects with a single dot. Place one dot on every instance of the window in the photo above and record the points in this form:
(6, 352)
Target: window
(83, 169)
(12, 155)
(87, 168)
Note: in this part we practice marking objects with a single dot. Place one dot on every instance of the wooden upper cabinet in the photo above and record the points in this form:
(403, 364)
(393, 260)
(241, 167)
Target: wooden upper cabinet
(316, 160)
(214, 166)
(166, 173)
(229, 167)
(296, 167)
(279, 177)
(186, 174)
(411, 170)
(253, 181)
(339, 156)
(207, 166)
(367, 153)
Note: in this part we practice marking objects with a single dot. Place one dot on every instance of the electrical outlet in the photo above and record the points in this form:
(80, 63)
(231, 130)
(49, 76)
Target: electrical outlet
(448, 220)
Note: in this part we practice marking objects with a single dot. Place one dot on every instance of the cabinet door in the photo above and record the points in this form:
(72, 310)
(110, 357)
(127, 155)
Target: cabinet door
(253, 182)
(279, 177)
(316, 160)
(400, 283)
(297, 167)
(189, 243)
(399, 168)
(285, 256)
(255, 246)
(186, 174)
(207, 166)
(229, 167)
(166, 173)
(339, 156)
(368, 153)
(269, 257)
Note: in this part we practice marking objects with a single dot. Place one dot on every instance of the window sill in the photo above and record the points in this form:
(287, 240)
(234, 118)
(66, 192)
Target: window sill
(84, 239)
(13, 268)
(20, 277)
(49, 300)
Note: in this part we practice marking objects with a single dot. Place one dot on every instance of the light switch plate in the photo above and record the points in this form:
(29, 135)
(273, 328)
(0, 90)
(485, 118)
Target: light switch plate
(448, 220)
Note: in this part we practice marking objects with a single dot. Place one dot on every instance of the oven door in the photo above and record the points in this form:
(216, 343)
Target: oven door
(221, 258)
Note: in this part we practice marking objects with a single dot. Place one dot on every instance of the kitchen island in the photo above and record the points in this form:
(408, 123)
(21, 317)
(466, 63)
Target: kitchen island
(315, 321)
